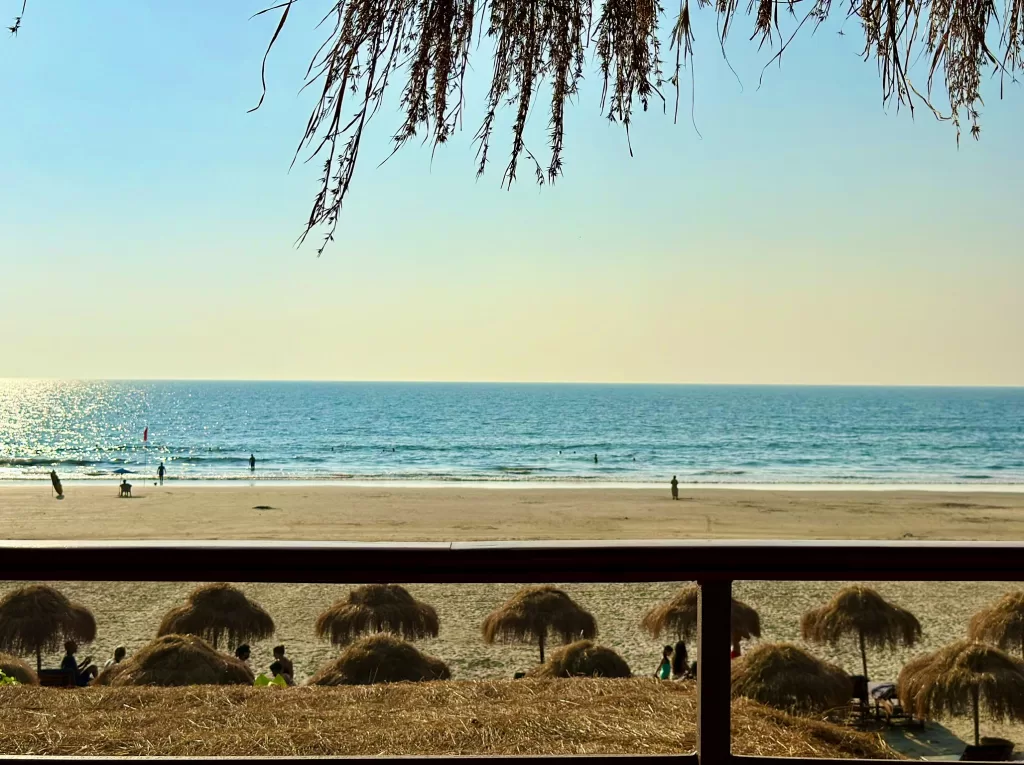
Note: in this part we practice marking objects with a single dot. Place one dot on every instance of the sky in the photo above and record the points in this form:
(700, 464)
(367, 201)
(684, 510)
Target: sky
(805, 235)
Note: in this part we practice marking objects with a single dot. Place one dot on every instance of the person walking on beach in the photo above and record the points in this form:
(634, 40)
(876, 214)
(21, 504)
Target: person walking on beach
(252, 462)
(160, 471)
(675, 488)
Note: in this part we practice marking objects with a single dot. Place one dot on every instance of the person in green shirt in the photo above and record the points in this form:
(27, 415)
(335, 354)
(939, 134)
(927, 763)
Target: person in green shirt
(665, 668)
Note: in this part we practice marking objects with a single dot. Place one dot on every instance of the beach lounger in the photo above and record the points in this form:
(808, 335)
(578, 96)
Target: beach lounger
(56, 678)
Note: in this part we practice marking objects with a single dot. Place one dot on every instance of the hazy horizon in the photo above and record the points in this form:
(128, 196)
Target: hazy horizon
(805, 236)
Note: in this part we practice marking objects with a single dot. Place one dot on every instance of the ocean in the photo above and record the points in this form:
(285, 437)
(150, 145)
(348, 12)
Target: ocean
(513, 434)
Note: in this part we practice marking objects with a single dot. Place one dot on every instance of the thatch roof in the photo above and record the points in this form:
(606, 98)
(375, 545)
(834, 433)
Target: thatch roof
(173, 660)
(789, 678)
(533, 612)
(380, 658)
(944, 683)
(501, 717)
(39, 618)
(14, 667)
(678, 617)
(1001, 624)
(377, 608)
(584, 658)
(217, 610)
(861, 610)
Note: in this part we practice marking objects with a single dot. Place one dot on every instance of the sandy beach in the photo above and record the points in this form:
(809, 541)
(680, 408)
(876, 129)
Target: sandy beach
(128, 613)
(254, 511)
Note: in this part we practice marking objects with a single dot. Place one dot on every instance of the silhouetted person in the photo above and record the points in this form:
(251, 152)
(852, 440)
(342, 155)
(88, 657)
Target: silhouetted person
(252, 462)
(680, 667)
(242, 653)
(675, 488)
(595, 459)
(160, 471)
(83, 672)
(665, 667)
(119, 653)
(286, 664)
(276, 670)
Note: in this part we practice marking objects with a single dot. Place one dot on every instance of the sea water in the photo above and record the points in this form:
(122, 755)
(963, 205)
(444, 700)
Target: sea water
(512, 433)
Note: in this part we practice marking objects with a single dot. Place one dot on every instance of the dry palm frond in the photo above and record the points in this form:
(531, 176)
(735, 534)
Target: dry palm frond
(174, 660)
(534, 612)
(377, 608)
(14, 667)
(216, 610)
(1002, 624)
(788, 678)
(584, 658)
(582, 716)
(423, 49)
(380, 659)
(963, 678)
(38, 618)
(678, 617)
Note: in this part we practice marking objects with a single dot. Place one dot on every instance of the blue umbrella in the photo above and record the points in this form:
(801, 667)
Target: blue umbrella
(122, 471)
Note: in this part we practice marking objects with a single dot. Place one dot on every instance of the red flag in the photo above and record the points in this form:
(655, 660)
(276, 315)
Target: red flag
(145, 434)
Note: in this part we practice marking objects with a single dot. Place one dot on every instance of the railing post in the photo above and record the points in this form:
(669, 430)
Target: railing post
(714, 644)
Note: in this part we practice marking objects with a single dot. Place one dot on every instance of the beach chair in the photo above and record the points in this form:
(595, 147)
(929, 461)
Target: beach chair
(126, 489)
(56, 678)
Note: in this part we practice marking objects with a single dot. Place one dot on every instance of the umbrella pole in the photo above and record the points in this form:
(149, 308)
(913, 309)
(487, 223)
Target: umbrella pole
(542, 648)
(974, 694)
(863, 656)
(39, 660)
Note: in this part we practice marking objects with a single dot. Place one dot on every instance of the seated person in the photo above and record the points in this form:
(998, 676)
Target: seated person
(119, 653)
(242, 653)
(277, 671)
(126, 488)
(83, 672)
(664, 671)
(286, 664)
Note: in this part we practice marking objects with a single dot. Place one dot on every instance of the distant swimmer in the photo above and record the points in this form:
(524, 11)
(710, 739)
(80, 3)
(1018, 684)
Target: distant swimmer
(160, 471)
(252, 462)
(595, 459)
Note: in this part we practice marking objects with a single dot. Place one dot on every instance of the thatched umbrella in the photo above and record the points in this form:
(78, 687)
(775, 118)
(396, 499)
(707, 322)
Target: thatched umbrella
(678, 617)
(377, 608)
(38, 618)
(962, 677)
(533, 612)
(214, 610)
(789, 678)
(14, 667)
(174, 660)
(1002, 624)
(380, 658)
(861, 612)
(584, 658)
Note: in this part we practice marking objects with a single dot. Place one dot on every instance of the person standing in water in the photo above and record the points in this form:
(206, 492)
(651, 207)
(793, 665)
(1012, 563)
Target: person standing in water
(595, 459)
(160, 471)
(675, 488)
(252, 462)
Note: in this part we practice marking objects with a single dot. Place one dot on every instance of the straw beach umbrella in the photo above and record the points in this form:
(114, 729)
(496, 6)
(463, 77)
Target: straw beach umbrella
(584, 658)
(1001, 624)
(964, 677)
(176, 660)
(678, 617)
(377, 608)
(38, 618)
(215, 610)
(860, 612)
(533, 612)
(14, 667)
(380, 658)
(789, 678)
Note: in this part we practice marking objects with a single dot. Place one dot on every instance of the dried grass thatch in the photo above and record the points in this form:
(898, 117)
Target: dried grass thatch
(540, 49)
(38, 618)
(377, 608)
(534, 612)
(1002, 624)
(584, 658)
(862, 613)
(14, 667)
(173, 660)
(678, 617)
(961, 678)
(216, 610)
(381, 658)
(583, 716)
(787, 677)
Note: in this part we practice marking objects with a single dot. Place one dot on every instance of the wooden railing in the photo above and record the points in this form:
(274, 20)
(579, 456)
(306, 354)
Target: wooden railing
(713, 564)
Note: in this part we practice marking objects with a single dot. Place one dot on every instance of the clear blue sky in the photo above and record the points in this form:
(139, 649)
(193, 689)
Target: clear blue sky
(147, 223)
